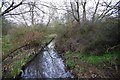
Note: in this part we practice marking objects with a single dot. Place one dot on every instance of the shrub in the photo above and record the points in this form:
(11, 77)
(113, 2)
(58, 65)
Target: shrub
(20, 36)
(32, 38)
(90, 39)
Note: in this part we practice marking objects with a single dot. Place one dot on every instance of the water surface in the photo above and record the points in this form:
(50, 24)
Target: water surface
(47, 64)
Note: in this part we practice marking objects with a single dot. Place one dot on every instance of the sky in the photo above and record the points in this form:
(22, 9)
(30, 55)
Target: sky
(58, 3)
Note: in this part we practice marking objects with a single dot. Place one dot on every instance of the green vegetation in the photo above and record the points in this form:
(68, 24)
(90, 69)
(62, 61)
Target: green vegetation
(108, 56)
(16, 68)
(92, 59)
(88, 37)
(18, 37)
(85, 65)
(47, 38)
(17, 61)
(96, 40)
(91, 48)
(6, 45)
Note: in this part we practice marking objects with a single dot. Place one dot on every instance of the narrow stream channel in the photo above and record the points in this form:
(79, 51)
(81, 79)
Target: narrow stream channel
(47, 64)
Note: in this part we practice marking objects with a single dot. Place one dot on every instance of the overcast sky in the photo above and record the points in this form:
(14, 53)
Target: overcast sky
(90, 4)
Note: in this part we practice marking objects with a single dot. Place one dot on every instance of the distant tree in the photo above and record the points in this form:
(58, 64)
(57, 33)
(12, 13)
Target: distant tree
(108, 10)
(101, 9)
(119, 10)
(75, 10)
(6, 26)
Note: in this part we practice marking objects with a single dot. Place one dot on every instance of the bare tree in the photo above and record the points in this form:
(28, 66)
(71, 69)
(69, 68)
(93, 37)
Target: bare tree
(32, 6)
(75, 6)
(11, 7)
(78, 11)
(106, 11)
(26, 24)
(95, 11)
(83, 2)
(119, 9)
(79, 6)
(75, 10)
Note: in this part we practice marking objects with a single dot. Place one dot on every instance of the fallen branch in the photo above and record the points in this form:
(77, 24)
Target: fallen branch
(113, 47)
(9, 54)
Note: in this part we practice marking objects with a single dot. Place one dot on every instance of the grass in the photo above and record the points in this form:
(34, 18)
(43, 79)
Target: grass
(16, 38)
(6, 45)
(16, 68)
(85, 65)
(92, 59)
(47, 38)
(108, 56)
(71, 63)
(17, 62)
(13, 39)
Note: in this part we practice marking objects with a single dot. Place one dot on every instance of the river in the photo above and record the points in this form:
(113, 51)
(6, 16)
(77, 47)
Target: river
(47, 64)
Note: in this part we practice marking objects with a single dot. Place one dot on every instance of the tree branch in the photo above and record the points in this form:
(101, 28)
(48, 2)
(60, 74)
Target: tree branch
(96, 7)
(73, 12)
(17, 13)
(10, 8)
(107, 10)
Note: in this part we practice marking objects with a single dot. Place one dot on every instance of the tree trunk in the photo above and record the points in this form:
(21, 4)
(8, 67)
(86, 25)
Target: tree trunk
(93, 17)
(84, 13)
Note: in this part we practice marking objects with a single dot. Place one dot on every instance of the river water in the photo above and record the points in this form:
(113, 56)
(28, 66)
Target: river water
(47, 64)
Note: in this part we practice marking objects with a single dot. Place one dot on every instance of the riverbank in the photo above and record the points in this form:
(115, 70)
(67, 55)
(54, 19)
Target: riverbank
(92, 50)
(90, 66)
(13, 62)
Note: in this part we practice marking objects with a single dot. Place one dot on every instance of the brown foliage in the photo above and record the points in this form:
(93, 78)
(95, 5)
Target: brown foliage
(32, 38)
(89, 39)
